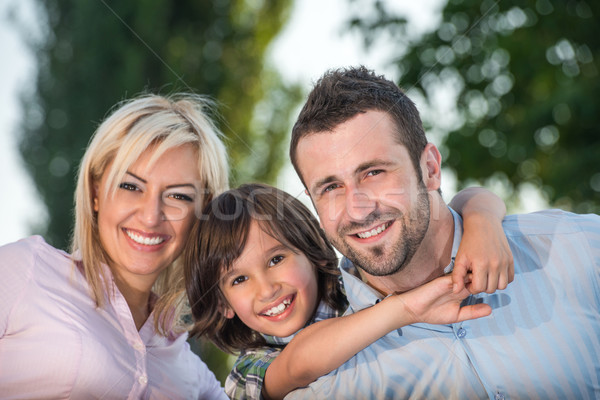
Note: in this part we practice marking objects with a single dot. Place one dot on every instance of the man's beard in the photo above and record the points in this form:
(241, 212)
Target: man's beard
(379, 260)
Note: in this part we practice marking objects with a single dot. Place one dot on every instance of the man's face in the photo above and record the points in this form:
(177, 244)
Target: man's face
(372, 205)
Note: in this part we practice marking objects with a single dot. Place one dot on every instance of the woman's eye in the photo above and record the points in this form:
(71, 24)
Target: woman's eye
(128, 186)
(181, 196)
(275, 260)
(238, 280)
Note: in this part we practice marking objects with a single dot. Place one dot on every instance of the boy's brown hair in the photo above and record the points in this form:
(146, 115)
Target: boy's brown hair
(219, 239)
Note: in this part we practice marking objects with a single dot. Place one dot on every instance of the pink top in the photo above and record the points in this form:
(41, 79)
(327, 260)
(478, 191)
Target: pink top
(55, 343)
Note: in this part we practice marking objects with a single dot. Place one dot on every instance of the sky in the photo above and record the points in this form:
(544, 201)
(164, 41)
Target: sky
(311, 43)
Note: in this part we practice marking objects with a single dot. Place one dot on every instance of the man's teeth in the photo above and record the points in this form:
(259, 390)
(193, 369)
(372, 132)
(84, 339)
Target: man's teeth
(278, 309)
(373, 232)
(145, 240)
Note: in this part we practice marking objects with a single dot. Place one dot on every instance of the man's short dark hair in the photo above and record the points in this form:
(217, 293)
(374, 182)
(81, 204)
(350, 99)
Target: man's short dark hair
(341, 94)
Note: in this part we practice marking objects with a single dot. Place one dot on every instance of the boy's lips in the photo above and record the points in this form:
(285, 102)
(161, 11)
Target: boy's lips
(278, 307)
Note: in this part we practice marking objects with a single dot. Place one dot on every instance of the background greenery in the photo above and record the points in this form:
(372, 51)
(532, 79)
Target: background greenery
(523, 76)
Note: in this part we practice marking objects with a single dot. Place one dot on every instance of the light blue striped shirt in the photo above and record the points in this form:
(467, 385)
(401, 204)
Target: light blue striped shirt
(541, 341)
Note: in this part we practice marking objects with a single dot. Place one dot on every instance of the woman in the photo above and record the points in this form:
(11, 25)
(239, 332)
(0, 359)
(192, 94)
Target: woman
(104, 321)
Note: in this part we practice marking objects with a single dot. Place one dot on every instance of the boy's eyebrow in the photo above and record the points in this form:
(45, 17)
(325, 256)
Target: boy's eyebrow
(273, 249)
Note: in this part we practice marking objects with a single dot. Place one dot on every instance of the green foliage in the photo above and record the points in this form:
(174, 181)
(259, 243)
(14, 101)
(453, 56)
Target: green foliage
(525, 77)
(96, 53)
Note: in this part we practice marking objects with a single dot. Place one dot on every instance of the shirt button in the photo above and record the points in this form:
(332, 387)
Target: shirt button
(461, 333)
(499, 396)
(143, 379)
(138, 346)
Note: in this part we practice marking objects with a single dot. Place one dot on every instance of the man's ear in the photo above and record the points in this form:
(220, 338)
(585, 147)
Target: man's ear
(431, 165)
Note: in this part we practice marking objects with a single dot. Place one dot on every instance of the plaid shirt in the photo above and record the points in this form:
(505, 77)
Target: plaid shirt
(245, 381)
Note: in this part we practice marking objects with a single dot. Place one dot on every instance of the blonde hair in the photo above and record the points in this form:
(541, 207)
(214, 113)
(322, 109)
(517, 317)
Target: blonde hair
(135, 125)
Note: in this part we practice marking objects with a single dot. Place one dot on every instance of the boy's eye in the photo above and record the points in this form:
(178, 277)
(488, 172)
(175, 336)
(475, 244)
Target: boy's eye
(128, 186)
(238, 280)
(275, 260)
(374, 172)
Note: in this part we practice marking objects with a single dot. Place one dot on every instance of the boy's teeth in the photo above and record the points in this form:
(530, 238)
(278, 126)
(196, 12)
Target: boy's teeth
(145, 240)
(278, 309)
(372, 232)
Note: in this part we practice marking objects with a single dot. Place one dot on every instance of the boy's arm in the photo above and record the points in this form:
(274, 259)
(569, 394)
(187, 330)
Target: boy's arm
(483, 250)
(302, 361)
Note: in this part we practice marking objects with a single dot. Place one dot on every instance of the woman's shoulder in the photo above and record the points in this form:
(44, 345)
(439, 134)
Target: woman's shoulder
(30, 254)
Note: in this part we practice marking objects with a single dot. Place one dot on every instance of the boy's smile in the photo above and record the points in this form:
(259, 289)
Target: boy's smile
(271, 288)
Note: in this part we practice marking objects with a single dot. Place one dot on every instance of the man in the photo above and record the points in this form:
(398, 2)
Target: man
(360, 150)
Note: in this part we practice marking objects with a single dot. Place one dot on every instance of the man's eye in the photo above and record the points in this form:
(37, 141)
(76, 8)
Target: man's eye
(238, 280)
(330, 187)
(374, 172)
(275, 260)
(128, 186)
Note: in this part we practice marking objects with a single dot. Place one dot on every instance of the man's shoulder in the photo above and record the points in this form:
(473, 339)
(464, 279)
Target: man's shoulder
(550, 222)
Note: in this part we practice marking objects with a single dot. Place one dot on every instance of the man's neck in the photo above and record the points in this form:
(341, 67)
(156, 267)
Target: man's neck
(429, 261)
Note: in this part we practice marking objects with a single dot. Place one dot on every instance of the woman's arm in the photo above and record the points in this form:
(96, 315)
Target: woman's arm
(301, 361)
(484, 250)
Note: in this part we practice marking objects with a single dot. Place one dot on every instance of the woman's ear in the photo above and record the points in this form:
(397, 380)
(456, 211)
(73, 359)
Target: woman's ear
(95, 196)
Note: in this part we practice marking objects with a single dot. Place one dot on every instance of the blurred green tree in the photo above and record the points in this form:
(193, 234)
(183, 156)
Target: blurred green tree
(524, 76)
(96, 53)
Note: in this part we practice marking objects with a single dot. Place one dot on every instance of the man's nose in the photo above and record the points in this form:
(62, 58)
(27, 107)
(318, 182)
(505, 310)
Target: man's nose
(359, 204)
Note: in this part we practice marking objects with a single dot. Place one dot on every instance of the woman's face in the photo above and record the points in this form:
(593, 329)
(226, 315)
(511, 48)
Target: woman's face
(143, 225)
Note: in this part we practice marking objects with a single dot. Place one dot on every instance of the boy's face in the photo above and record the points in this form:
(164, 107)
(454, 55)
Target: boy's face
(269, 287)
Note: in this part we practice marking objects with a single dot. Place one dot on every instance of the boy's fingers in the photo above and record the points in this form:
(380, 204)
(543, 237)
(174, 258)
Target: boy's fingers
(474, 311)
(459, 273)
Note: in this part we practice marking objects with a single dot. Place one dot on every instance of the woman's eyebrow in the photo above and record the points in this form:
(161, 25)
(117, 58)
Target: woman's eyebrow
(191, 185)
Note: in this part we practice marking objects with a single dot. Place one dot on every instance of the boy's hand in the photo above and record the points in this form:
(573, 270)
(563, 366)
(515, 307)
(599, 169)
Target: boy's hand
(436, 303)
(484, 253)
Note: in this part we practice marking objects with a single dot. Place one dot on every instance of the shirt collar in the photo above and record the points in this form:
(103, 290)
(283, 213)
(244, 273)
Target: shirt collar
(458, 231)
(324, 311)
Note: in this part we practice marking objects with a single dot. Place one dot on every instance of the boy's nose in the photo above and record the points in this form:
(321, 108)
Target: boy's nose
(268, 289)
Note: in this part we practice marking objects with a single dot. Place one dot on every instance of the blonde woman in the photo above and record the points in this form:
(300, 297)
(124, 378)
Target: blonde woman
(104, 321)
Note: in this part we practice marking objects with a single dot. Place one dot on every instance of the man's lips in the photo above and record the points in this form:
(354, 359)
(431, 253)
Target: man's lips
(377, 230)
(279, 307)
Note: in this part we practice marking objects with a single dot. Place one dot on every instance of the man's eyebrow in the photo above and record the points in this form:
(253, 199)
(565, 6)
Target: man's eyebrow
(373, 163)
(324, 181)
(361, 168)
(191, 185)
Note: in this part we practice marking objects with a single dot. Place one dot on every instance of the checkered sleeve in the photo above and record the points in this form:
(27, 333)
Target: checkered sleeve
(245, 381)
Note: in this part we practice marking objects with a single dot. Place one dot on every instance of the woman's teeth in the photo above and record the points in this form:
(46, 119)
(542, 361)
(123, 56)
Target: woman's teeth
(278, 309)
(145, 240)
(373, 232)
